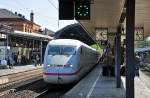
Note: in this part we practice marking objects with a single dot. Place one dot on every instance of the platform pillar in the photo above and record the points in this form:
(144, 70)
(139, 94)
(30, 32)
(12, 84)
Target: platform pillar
(118, 57)
(41, 45)
(7, 44)
(33, 49)
(130, 24)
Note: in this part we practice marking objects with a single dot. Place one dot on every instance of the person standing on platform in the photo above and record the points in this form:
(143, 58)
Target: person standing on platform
(10, 62)
(19, 59)
(34, 60)
(137, 65)
(37, 59)
(108, 69)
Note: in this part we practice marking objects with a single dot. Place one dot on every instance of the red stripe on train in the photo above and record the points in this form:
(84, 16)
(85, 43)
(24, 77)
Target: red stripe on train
(50, 73)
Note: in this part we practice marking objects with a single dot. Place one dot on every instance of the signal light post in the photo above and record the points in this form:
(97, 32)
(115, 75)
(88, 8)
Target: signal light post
(78, 9)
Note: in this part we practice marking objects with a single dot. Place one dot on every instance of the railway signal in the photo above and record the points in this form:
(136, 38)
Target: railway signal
(66, 9)
(82, 10)
(78, 9)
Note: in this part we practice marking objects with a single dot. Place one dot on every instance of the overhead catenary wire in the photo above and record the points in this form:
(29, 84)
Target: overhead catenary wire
(52, 5)
(57, 11)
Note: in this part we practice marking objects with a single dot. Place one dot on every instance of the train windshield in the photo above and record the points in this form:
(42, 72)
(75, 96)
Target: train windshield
(68, 50)
(61, 50)
(54, 50)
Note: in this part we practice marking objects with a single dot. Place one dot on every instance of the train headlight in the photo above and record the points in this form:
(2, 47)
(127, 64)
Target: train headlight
(49, 65)
(69, 65)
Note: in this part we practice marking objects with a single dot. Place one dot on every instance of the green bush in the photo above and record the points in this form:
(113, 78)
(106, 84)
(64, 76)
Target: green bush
(97, 47)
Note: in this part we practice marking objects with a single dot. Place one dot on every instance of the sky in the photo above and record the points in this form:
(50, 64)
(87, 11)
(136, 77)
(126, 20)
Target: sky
(45, 12)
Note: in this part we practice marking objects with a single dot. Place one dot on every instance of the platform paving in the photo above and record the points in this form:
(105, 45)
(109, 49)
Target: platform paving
(142, 85)
(17, 69)
(94, 85)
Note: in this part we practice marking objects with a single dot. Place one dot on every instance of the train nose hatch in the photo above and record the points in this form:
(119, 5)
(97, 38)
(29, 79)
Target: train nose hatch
(60, 79)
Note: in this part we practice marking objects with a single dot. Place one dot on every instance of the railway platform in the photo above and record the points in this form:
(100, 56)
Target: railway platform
(17, 69)
(18, 74)
(94, 85)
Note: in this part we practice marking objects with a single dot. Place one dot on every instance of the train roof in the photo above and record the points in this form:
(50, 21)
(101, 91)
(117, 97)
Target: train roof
(68, 42)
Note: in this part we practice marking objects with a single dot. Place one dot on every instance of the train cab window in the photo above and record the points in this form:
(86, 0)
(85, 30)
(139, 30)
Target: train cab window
(54, 50)
(68, 50)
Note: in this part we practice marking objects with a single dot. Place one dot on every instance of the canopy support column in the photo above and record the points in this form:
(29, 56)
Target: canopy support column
(41, 45)
(130, 24)
(118, 56)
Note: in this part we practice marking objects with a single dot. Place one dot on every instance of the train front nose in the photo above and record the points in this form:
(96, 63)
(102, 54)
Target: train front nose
(59, 79)
(50, 79)
(50, 74)
(59, 75)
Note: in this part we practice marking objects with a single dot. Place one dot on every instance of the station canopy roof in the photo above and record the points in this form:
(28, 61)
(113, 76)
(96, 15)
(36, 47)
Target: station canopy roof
(107, 14)
(32, 35)
(74, 31)
(29, 35)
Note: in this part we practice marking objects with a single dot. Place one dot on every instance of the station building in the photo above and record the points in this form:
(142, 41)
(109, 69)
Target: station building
(18, 21)
(24, 37)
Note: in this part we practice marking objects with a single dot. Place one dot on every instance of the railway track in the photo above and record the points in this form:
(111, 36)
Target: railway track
(41, 94)
(38, 89)
(19, 79)
(29, 84)
(55, 91)
(27, 91)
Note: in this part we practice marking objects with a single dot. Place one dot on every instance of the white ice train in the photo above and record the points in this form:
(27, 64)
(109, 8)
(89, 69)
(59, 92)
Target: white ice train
(67, 60)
